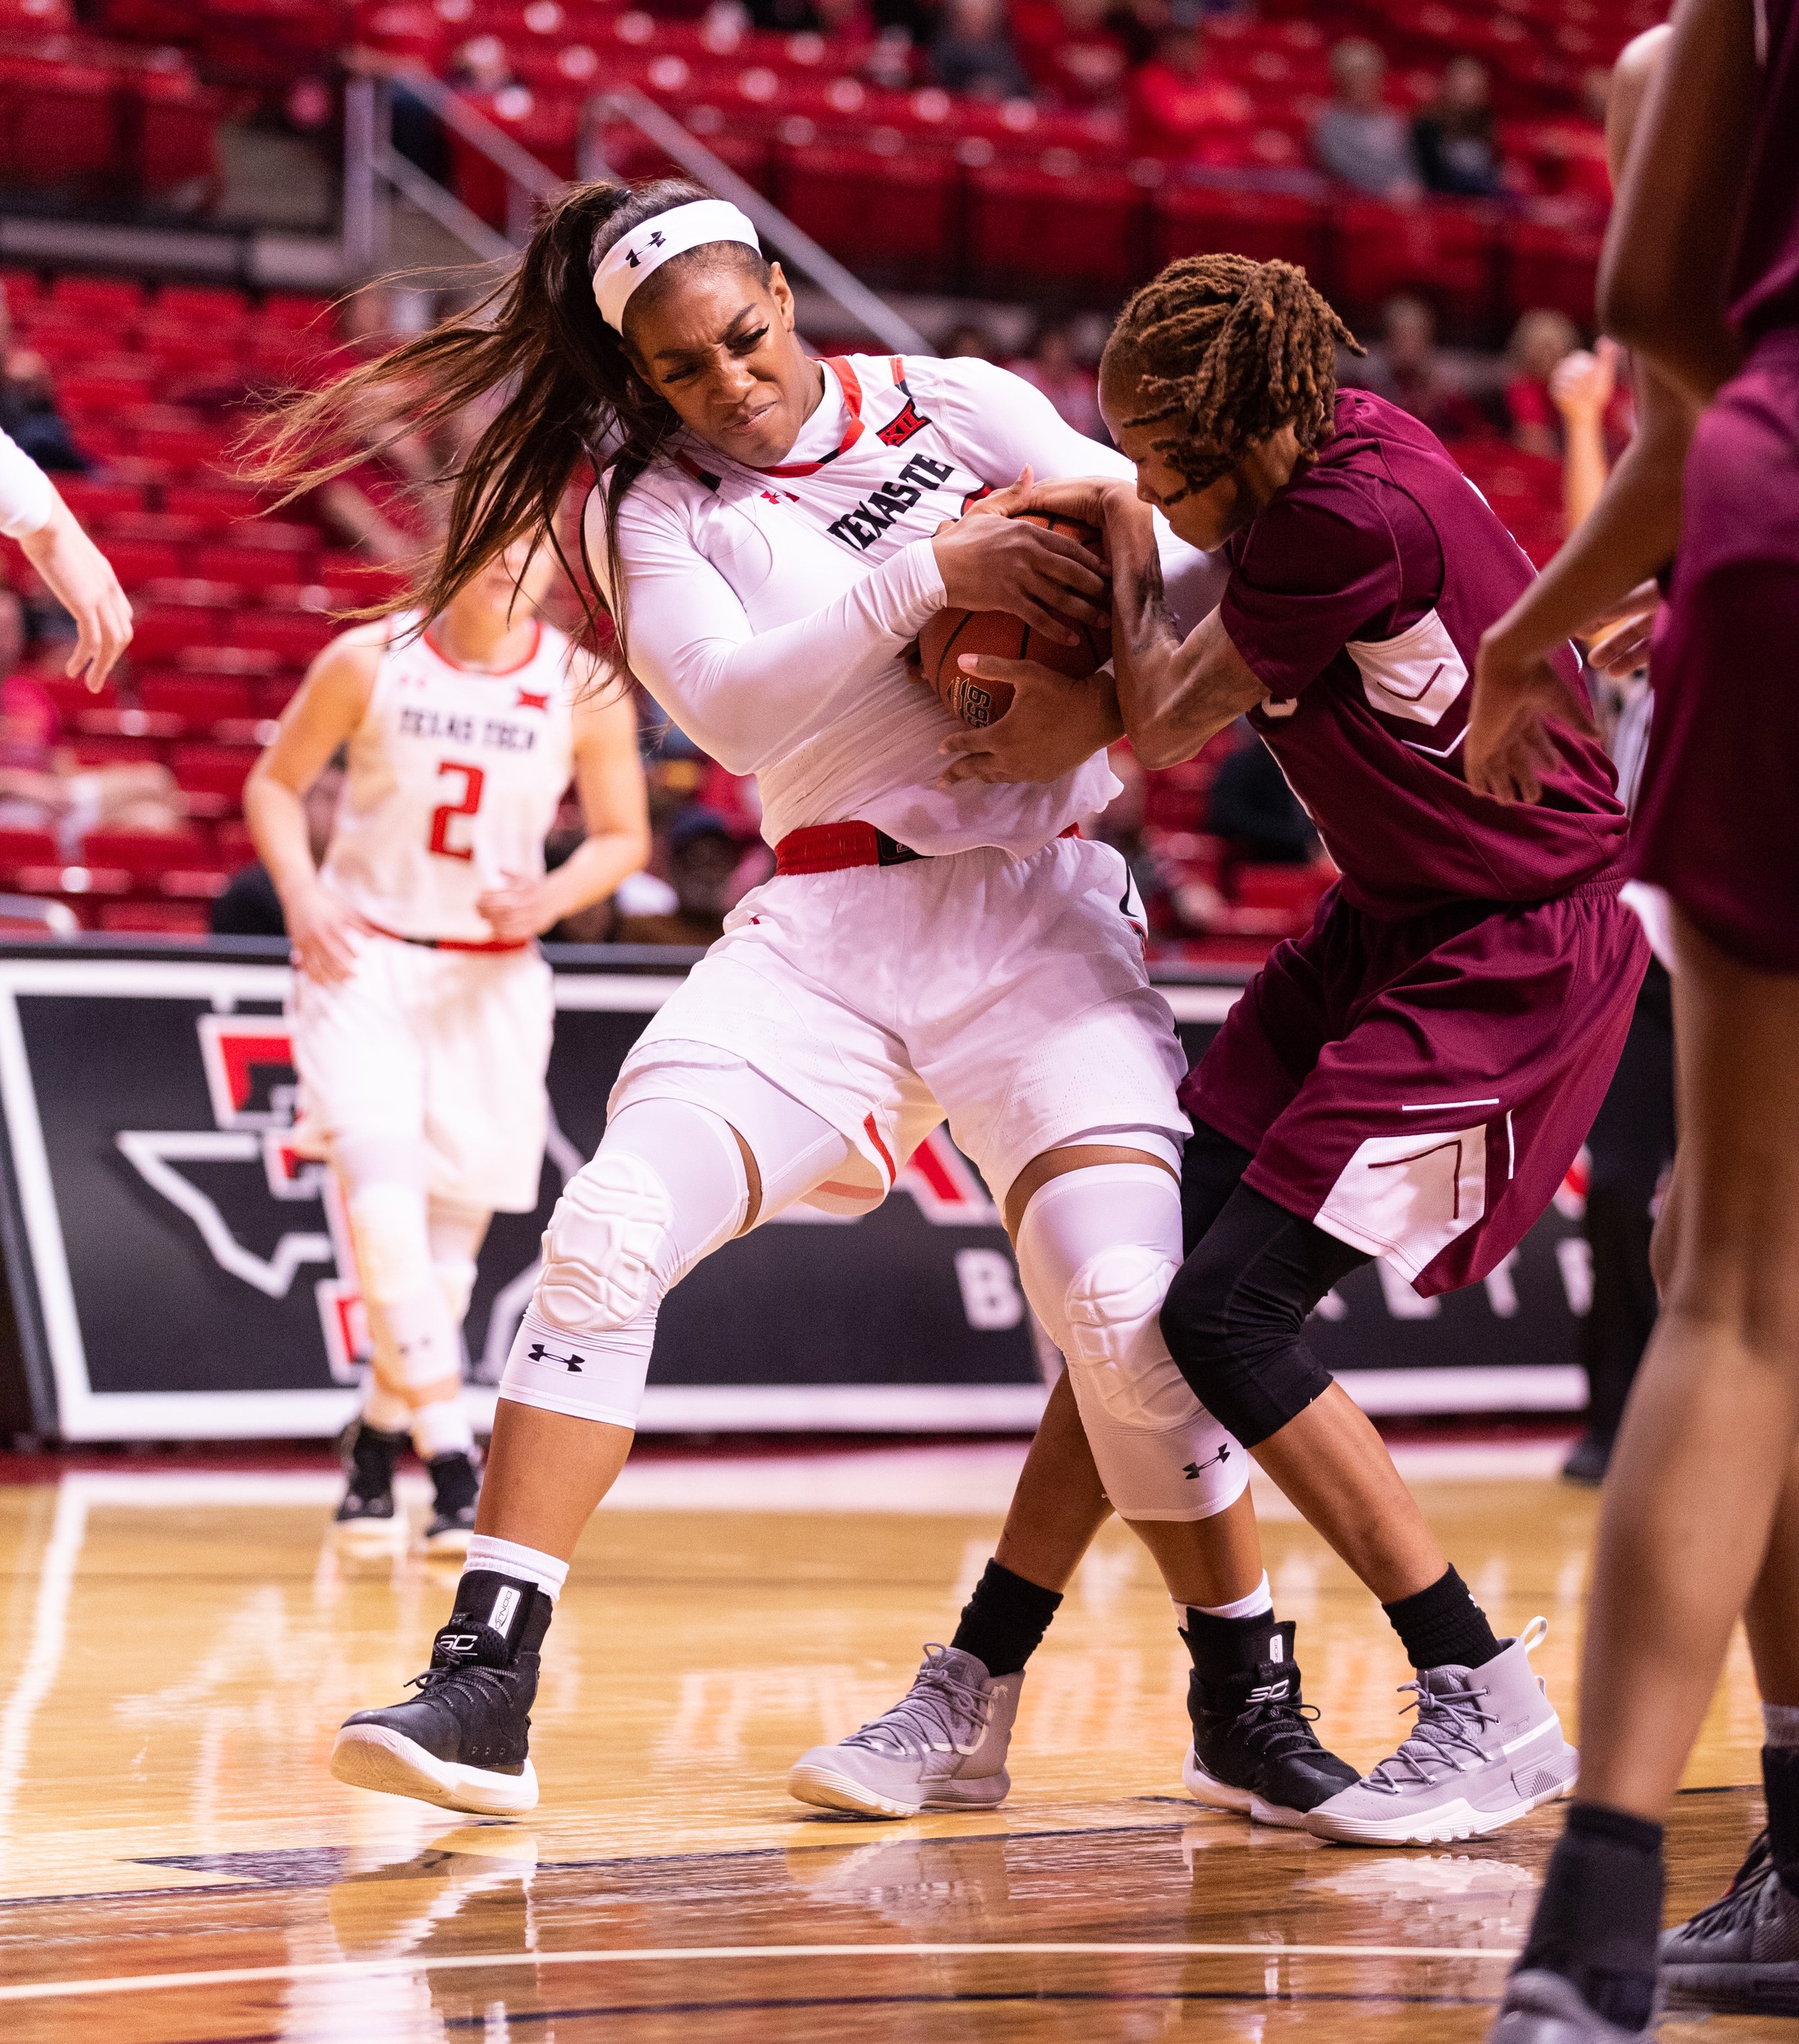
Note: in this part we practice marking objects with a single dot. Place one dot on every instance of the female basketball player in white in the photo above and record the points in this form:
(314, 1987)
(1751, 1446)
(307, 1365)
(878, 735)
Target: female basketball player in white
(422, 1015)
(773, 530)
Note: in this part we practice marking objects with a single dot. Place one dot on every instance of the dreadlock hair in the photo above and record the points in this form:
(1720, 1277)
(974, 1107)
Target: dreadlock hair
(568, 397)
(1229, 350)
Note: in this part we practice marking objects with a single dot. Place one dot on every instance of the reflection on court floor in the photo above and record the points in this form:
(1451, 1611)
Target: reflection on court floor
(176, 1863)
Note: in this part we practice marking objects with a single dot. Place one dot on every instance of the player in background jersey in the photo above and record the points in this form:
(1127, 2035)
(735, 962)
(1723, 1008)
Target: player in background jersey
(1414, 1077)
(773, 531)
(422, 1013)
(1700, 1516)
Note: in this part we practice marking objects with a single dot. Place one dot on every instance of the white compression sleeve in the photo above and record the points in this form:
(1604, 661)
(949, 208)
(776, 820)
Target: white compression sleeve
(417, 1342)
(26, 497)
(1096, 1250)
(748, 697)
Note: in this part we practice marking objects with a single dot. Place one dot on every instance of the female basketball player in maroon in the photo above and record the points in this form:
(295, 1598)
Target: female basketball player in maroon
(1412, 1077)
(1701, 1512)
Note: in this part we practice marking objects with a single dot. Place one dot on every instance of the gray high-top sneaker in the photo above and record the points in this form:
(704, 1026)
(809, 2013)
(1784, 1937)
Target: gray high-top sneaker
(1542, 2008)
(1743, 1951)
(1487, 1747)
(942, 1746)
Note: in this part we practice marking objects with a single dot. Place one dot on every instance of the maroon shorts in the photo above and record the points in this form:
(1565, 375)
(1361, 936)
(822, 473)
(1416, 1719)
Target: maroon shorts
(1717, 818)
(1418, 1088)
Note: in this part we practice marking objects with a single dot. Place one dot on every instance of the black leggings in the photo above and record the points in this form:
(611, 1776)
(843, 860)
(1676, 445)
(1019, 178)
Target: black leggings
(1253, 1272)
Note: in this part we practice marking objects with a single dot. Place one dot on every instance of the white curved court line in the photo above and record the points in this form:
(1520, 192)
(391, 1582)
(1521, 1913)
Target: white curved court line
(684, 1955)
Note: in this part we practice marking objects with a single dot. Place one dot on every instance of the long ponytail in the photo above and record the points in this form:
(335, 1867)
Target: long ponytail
(568, 398)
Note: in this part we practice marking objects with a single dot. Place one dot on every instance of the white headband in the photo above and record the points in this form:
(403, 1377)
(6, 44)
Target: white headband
(633, 258)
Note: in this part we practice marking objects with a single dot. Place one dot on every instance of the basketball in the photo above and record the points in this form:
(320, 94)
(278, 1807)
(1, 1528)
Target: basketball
(952, 633)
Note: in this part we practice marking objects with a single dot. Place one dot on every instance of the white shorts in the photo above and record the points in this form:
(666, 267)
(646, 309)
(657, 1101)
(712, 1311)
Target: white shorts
(450, 1047)
(1008, 995)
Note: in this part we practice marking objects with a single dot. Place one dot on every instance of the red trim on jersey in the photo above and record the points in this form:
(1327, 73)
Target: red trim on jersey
(839, 367)
(486, 673)
(451, 943)
(885, 1153)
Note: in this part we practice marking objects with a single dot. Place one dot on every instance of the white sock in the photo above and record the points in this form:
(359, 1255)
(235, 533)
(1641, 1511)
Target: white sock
(507, 1558)
(441, 1429)
(1260, 1599)
(384, 1410)
(1780, 1724)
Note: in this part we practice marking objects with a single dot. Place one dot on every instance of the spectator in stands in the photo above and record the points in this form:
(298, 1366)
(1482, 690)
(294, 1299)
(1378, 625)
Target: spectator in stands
(1176, 103)
(1252, 807)
(1407, 370)
(1539, 340)
(482, 65)
(28, 405)
(249, 907)
(703, 857)
(969, 340)
(1071, 385)
(1358, 138)
(973, 52)
(1452, 138)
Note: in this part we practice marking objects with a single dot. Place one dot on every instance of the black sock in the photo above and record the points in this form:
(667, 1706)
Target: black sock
(1780, 1777)
(1600, 1913)
(1004, 1622)
(1443, 1626)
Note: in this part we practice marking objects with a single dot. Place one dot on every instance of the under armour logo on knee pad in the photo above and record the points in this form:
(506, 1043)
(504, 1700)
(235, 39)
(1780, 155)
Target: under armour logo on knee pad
(537, 1353)
(1192, 1468)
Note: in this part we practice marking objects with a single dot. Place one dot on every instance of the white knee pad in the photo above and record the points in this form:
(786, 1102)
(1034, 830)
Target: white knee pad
(665, 1187)
(455, 1235)
(1097, 1249)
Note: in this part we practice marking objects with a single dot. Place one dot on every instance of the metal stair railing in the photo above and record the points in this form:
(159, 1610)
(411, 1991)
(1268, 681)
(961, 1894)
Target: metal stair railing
(374, 170)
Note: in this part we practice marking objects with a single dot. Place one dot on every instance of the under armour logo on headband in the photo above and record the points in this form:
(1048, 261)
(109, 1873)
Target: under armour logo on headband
(632, 258)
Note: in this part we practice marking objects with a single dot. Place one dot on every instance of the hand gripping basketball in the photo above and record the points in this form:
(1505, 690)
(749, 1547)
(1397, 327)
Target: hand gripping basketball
(1080, 651)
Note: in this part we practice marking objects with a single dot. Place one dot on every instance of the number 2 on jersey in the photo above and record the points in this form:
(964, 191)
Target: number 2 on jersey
(474, 778)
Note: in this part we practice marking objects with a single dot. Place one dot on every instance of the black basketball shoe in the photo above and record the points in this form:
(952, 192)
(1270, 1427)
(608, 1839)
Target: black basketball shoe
(1741, 1952)
(368, 1517)
(464, 1741)
(1253, 1745)
(455, 1480)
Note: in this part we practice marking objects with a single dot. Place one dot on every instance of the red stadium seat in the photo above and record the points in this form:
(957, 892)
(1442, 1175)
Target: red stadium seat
(294, 636)
(161, 919)
(1447, 253)
(1553, 266)
(214, 769)
(146, 855)
(1089, 227)
(136, 562)
(250, 566)
(893, 216)
(1205, 219)
(177, 123)
(217, 505)
(21, 848)
(198, 701)
(60, 122)
(94, 503)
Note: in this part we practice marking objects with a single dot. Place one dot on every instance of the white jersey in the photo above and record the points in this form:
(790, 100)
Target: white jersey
(768, 611)
(455, 778)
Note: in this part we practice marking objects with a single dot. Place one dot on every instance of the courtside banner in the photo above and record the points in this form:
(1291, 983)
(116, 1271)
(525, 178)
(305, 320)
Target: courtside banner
(177, 1272)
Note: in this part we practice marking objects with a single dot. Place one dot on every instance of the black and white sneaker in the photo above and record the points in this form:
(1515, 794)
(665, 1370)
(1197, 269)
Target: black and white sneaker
(1253, 1748)
(367, 1518)
(463, 1742)
(455, 1481)
(1742, 1952)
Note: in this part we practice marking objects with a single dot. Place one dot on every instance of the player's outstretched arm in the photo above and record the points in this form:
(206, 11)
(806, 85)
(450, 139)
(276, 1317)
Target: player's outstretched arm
(332, 702)
(1664, 273)
(81, 578)
(608, 778)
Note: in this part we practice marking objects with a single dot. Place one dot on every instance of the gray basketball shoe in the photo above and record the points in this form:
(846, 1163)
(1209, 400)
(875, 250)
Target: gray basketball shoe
(1487, 1747)
(1542, 2008)
(1742, 1952)
(942, 1746)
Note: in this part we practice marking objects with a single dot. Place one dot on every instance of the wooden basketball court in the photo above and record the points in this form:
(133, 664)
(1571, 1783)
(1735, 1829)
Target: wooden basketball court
(176, 1863)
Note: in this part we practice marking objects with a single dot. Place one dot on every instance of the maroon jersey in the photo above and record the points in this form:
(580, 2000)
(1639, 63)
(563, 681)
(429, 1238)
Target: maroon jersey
(1764, 281)
(1358, 597)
